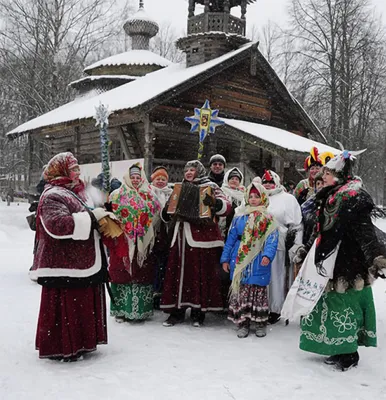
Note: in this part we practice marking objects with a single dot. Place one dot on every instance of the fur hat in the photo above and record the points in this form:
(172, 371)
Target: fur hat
(313, 159)
(98, 181)
(235, 173)
(159, 171)
(217, 158)
(134, 170)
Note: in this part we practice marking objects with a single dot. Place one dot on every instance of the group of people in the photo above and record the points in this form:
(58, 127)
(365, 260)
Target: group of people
(208, 244)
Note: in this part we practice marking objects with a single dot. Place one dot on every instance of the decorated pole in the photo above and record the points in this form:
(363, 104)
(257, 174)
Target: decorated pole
(204, 121)
(102, 119)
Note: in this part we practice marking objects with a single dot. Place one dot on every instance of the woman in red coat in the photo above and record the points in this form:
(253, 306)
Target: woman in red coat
(192, 277)
(69, 265)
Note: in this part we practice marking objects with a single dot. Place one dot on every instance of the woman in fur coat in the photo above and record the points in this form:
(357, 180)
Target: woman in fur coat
(70, 265)
(344, 256)
(192, 276)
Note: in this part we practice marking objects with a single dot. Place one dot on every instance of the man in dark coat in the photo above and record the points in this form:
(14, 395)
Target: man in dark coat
(217, 165)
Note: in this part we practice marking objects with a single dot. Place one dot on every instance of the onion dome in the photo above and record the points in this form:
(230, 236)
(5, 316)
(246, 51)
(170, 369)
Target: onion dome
(141, 28)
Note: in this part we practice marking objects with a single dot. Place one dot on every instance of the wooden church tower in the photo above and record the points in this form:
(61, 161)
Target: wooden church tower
(215, 31)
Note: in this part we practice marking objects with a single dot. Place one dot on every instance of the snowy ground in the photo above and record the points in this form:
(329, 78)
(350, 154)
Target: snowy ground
(149, 361)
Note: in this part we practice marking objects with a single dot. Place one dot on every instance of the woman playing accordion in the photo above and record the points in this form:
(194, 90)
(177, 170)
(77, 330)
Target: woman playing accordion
(193, 272)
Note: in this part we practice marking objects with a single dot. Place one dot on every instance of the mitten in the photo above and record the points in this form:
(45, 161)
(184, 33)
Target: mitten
(100, 213)
(218, 205)
(165, 216)
(208, 200)
(300, 255)
(378, 269)
(33, 206)
(109, 206)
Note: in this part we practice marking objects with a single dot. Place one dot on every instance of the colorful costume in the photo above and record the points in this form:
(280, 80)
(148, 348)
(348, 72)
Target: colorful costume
(193, 271)
(305, 188)
(252, 236)
(338, 311)
(70, 266)
(132, 263)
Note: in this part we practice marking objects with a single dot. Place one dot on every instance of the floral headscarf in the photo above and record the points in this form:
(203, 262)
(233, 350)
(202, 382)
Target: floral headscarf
(138, 211)
(58, 171)
(259, 226)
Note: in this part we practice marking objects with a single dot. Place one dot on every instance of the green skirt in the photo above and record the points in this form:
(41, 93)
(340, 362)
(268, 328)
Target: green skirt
(132, 301)
(339, 323)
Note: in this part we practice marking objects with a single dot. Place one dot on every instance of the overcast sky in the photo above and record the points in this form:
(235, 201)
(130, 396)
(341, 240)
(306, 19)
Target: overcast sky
(175, 11)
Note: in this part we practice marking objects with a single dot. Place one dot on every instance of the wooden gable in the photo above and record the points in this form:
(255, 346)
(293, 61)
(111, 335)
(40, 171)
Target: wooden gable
(238, 95)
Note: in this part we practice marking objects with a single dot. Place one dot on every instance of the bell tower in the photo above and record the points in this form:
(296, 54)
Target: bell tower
(215, 31)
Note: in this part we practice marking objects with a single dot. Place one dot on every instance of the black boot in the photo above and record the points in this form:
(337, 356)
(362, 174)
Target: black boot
(273, 318)
(347, 361)
(332, 359)
(197, 316)
(176, 317)
(157, 301)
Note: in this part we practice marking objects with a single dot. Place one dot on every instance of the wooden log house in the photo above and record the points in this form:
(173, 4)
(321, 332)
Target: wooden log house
(265, 127)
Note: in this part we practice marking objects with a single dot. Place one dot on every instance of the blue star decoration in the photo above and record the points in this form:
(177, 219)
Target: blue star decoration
(205, 120)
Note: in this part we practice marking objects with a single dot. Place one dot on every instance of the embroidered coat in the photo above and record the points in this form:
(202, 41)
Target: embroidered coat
(255, 273)
(344, 216)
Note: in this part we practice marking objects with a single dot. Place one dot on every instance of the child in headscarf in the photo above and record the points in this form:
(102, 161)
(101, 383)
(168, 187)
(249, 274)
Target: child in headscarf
(248, 252)
(234, 190)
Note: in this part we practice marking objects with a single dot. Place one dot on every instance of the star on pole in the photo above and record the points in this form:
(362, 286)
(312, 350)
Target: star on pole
(204, 121)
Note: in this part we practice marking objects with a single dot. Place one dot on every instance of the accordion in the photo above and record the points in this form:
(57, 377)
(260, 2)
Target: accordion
(186, 202)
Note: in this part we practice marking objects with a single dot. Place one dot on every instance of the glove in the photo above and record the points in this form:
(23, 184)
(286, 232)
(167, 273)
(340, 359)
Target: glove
(300, 255)
(208, 201)
(34, 206)
(217, 205)
(100, 213)
(108, 206)
(164, 214)
(378, 269)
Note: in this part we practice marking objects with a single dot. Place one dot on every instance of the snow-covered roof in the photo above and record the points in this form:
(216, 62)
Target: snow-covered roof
(107, 77)
(158, 83)
(132, 57)
(127, 96)
(279, 137)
